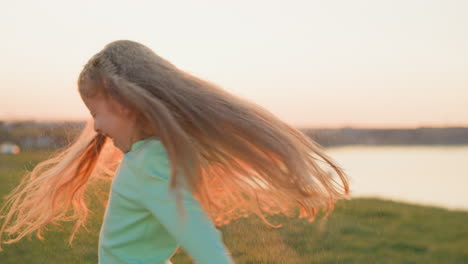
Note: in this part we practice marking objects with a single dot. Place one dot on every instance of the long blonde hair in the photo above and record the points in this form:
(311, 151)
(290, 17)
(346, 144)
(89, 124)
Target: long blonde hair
(237, 158)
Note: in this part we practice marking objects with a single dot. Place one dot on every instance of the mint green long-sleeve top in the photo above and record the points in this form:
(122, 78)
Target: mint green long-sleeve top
(141, 223)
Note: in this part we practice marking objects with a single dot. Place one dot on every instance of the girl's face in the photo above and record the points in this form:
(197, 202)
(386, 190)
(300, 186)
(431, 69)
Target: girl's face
(112, 120)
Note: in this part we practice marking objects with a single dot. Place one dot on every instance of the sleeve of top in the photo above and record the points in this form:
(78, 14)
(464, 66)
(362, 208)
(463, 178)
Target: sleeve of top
(197, 235)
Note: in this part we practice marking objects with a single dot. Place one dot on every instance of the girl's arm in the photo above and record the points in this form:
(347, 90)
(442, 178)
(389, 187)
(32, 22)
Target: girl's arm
(197, 234)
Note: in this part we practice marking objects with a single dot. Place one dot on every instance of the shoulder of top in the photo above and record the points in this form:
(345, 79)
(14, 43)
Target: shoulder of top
(151, 157)
(148, 147)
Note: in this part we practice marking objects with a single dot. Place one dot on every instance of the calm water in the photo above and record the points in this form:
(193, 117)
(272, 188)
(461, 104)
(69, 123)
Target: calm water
(429, 175)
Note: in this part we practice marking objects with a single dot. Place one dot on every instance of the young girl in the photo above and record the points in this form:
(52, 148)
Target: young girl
(190, 156)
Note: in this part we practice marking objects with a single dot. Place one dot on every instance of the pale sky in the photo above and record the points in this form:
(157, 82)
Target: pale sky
(312, 63)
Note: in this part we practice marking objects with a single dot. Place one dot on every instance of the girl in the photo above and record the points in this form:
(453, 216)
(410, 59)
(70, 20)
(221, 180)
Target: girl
(186, 156)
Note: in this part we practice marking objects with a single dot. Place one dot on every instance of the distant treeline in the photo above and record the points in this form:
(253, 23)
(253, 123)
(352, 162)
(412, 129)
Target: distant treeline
(36, 134)
(417, 136)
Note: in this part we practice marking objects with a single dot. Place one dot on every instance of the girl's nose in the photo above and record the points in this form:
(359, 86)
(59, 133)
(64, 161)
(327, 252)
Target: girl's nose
(97, 129)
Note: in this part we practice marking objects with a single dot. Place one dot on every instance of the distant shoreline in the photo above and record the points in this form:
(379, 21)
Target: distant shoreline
(327, 137)
(379, 137)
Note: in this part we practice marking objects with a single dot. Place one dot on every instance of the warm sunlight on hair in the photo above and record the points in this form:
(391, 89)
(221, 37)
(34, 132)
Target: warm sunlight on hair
(236, 157)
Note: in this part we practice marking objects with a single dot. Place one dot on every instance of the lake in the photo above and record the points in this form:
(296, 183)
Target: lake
(427, 175)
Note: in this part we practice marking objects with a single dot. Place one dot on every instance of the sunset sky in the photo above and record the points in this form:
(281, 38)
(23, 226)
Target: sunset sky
(312, 63)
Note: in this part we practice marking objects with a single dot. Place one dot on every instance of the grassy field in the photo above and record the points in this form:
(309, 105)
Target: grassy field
(358, 231)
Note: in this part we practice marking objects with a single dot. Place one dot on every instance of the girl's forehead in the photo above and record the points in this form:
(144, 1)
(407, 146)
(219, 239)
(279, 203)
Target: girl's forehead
(89, 88)
(103, 103)
(95, 101)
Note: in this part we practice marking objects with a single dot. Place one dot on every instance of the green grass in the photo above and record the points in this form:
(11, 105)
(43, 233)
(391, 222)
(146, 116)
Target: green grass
(358, 231)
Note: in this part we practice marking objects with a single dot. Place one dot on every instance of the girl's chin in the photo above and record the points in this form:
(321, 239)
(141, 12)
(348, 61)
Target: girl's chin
(119, 147)
(115, 143)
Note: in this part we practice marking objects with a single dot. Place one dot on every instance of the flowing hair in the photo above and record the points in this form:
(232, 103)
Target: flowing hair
(237, 158)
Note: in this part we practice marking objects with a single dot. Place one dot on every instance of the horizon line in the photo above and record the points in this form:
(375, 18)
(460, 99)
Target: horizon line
(344, 126)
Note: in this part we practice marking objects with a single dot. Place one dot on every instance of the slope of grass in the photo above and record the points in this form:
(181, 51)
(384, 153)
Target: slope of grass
(358, 231)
